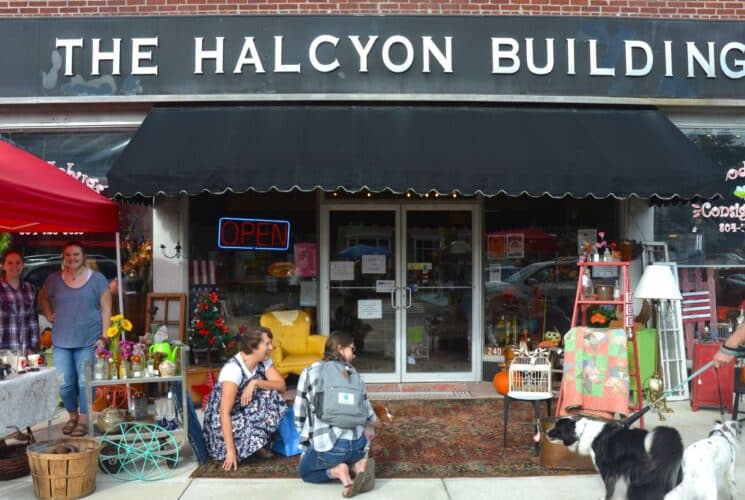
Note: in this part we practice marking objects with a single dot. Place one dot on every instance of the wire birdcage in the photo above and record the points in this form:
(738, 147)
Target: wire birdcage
(530, 375)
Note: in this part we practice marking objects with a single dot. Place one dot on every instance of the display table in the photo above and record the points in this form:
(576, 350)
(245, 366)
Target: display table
(28, 398)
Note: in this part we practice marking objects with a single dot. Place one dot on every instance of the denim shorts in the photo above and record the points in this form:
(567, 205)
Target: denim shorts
(314, 464)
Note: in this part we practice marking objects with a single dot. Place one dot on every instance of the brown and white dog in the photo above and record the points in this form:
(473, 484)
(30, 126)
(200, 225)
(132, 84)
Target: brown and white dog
(709, 466)
(382, 413)
(635, 464)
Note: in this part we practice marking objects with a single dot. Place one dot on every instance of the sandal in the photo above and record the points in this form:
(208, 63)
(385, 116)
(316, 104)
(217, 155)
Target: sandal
(348, 491)
(359, 480)
(80, 430)
(369, 483)
(69, 426)
(264, 453)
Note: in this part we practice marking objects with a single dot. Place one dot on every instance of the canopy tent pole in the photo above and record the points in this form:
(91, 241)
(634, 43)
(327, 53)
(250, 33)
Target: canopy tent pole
(119, 282)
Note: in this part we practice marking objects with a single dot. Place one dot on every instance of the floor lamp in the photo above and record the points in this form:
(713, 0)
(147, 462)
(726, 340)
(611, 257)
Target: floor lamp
(656, 285)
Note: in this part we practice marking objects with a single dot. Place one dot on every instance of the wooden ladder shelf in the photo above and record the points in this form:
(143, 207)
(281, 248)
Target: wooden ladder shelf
(626, 303)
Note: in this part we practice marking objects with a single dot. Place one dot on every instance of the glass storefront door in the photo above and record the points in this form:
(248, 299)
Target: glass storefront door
(401, 280)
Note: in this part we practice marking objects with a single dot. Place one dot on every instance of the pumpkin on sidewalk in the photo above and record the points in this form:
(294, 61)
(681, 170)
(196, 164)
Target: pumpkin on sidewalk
(501, 382)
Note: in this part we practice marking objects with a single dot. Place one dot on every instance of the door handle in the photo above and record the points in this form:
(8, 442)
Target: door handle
(393, 298)
(408, 297)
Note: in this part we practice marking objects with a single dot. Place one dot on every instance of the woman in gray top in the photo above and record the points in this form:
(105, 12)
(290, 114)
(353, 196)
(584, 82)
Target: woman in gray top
(77, 302)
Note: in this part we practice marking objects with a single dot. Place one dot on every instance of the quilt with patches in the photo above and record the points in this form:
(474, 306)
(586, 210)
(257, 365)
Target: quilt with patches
(596, 372)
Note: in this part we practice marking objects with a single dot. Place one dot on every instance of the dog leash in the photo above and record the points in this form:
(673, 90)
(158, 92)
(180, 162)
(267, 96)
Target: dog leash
(719, 391)
(628, 421)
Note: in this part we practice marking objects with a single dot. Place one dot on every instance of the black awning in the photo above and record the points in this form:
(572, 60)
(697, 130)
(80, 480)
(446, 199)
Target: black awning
(534, 150)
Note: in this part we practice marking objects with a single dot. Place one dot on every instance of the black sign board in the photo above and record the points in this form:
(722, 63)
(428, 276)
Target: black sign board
(165, 58)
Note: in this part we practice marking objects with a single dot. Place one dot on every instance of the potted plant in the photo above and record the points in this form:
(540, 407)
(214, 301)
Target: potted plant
(600, 316)
(208, 331)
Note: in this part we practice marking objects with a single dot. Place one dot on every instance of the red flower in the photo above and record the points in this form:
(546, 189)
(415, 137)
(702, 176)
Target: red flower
(199, 324)
(211, 341)
(214, 298)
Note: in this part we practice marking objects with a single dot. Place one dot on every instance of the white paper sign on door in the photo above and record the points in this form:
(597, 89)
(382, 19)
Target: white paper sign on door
(341, 270)
(370, 309)
(373, 264)
(308, 293)
(384, 286)
(495, 273)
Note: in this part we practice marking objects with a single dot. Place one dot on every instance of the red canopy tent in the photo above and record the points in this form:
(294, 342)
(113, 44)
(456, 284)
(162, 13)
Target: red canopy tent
(38, 197)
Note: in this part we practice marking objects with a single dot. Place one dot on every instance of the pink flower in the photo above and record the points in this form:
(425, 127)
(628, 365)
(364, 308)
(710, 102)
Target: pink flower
(601, 243)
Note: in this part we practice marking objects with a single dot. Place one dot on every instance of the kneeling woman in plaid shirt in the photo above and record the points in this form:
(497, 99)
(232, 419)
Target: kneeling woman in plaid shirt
(331, 452)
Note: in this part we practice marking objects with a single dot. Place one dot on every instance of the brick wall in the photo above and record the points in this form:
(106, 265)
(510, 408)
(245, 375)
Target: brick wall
(680, 9)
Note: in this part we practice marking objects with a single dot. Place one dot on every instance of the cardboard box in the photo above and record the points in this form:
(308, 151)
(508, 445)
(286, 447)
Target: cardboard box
(558, 456)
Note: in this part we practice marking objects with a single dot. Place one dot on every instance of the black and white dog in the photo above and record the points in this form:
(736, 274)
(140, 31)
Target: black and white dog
(635, 464)
(709, 466)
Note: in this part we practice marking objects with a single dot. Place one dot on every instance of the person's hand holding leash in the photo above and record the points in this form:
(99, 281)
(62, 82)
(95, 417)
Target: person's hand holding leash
(731, 348)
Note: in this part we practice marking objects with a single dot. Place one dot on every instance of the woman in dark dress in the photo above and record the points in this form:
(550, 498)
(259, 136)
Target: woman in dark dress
(246, 405)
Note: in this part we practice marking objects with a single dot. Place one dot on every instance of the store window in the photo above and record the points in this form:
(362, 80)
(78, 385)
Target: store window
(530, 257)
(270, 277)
(710, 251)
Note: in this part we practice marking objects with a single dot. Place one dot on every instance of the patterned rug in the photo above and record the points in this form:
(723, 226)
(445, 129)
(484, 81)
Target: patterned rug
(432, 439)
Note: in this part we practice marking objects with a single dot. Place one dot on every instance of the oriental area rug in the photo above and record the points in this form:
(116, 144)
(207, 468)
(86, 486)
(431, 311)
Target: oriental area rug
(432, 439)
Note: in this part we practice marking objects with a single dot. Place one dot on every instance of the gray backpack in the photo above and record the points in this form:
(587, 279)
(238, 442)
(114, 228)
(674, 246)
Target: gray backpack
(339, 396)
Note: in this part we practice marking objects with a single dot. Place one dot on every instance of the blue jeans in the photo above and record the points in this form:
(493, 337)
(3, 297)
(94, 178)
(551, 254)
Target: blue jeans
(314, 464)
(69, 361)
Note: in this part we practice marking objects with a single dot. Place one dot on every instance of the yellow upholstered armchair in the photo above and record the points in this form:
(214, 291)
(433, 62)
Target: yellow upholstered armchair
(294, 347)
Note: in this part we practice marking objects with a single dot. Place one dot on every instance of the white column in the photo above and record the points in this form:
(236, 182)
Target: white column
(170, 227)
(637, 223)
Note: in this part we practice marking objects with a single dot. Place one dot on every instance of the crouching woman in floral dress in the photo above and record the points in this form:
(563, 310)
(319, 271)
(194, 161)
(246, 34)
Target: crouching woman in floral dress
(246, 405)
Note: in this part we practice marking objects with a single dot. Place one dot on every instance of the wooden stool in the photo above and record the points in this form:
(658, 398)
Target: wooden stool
(536, 406)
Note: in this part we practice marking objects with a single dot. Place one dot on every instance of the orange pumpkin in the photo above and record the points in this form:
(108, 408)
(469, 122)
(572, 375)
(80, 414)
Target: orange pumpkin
(46, 338)
(501, 382)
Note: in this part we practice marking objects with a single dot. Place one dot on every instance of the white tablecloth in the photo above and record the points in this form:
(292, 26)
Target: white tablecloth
(28, 399)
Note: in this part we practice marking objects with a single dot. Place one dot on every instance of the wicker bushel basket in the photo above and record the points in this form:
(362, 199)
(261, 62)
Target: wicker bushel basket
(64, 468)
(558, 456)
(13, 461)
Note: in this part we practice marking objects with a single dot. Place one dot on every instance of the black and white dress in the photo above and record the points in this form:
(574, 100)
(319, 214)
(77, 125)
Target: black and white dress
(253, 424)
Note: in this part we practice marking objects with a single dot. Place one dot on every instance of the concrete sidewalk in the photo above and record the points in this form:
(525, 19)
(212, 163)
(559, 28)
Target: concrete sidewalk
(692, 426)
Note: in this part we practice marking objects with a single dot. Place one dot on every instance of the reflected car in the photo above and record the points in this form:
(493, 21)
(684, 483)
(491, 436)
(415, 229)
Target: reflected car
(556, 280)
(37, 268)
(731, 289)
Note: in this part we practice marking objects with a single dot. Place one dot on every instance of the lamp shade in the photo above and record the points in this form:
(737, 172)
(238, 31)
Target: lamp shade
(658, 282)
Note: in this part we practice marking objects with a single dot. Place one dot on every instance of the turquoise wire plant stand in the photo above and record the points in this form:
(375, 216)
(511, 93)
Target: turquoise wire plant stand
(134, 451)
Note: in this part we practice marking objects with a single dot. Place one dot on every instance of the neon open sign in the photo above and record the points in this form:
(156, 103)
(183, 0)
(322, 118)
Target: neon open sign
(253, 234)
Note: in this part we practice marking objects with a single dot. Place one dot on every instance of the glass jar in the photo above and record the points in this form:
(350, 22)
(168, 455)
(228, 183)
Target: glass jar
(138, 367)
(587, 289)
(101, 369)
(123, 369)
